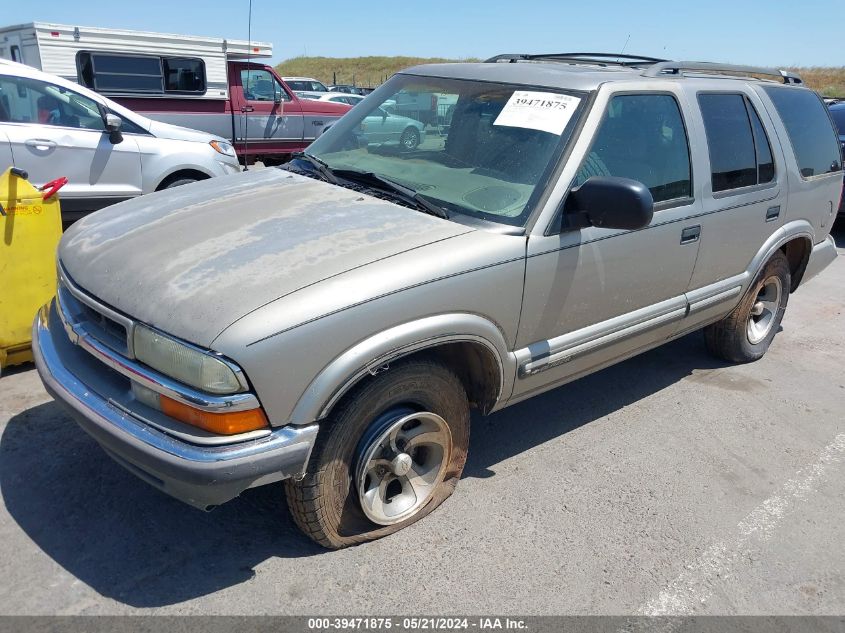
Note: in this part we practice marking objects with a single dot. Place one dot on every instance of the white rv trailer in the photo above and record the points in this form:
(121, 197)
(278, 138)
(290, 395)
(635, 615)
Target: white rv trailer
(60, 49)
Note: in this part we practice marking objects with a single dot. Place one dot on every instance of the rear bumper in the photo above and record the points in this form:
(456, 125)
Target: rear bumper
(821, 257)
(202, 476)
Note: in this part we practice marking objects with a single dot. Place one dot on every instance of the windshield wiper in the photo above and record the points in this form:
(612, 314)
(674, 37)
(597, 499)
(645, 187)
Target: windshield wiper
(404, 193)
(319, 165)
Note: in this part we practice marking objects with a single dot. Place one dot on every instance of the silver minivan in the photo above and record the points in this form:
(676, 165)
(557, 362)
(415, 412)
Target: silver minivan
(50, 127)
(331, 323)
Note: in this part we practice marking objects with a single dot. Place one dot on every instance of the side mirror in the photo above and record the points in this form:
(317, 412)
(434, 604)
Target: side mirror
(277, 98)
(113, 124)
(609, 202)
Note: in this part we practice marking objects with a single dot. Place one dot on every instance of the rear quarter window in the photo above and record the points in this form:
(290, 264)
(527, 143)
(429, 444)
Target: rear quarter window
(808, 125)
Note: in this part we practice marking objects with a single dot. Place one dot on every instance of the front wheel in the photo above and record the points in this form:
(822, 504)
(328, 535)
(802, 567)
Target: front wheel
(410, 139)
(746, 333)
(390, 454)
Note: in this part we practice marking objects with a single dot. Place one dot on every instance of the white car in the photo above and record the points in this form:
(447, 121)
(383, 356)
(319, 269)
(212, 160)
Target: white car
(337, 97)
(50, 127)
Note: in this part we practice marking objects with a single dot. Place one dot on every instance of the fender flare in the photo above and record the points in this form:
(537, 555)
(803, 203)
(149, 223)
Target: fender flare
(788, 232)
(368, 355)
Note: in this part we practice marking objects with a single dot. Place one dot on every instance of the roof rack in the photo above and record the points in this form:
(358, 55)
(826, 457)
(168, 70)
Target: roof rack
(601, 59)
(678, 68)
(654, 67)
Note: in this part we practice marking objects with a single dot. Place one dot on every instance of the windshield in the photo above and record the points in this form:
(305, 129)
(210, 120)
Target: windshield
(475, 148)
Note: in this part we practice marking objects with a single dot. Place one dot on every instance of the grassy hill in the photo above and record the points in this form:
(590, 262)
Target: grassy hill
(827, 81)
(371, 71)
(366, 71)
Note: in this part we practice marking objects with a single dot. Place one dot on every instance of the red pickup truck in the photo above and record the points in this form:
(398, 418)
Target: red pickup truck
(262, 117)
(206, 83)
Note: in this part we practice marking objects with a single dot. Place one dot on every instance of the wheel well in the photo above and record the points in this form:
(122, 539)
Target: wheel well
(182, 173)
(797, 253)
(475, 365)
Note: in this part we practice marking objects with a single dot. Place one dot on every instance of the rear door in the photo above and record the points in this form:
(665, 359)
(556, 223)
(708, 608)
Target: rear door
(54, 131)
(266, 125)
(744, 192)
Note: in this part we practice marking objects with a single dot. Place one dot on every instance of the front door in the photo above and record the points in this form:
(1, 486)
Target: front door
(268, 117)
(594, 295)
(54, 131)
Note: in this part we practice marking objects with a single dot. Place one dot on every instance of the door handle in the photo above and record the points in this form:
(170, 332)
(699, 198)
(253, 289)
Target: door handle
(40, 144)
(247, 109)
(772, 213)
(690, 234)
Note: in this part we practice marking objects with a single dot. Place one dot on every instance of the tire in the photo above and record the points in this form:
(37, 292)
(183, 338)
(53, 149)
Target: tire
(746, 333)
(179, 182)
(410, 138)
(326, 504)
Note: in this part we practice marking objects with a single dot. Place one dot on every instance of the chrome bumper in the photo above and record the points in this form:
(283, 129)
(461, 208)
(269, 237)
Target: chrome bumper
(821, 257)
(202, 476)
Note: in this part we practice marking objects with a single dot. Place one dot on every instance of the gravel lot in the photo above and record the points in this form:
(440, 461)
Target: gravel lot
(670, 483)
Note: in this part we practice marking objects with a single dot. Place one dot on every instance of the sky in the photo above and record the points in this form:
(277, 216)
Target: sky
(773, 33)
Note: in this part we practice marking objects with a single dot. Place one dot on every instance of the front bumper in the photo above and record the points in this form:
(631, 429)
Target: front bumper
(202, 476)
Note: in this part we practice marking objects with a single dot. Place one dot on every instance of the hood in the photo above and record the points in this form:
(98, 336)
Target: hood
(178, 133)
(194, 259)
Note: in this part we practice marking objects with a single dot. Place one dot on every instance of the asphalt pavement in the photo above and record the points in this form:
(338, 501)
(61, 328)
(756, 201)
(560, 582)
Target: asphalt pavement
(671, 483)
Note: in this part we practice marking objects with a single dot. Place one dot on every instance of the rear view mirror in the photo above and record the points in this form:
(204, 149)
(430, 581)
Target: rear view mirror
(113, 124)
(609, 202)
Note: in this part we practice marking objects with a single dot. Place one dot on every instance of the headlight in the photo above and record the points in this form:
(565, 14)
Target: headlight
(222, 147)
(183, 363)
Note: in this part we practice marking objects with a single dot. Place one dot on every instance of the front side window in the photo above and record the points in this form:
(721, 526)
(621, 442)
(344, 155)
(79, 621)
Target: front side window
(642, 137)
(501, 145)
(37, 102)
(808, 126)
(261, 85)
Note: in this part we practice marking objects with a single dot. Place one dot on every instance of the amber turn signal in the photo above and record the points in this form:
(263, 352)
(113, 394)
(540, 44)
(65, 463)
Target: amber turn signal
(220, 423)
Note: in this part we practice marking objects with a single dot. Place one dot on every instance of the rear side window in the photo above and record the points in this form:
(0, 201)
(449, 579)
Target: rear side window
(111, 73)
(740, 153)
(642, 137)
(183, 74)
(807, 123)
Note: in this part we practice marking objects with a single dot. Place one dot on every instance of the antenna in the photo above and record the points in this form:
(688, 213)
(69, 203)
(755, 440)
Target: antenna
(622, 52)
(245, 108)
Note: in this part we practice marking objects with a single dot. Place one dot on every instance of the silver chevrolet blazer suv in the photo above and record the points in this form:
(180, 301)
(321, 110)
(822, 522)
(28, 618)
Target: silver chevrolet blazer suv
(331, 322)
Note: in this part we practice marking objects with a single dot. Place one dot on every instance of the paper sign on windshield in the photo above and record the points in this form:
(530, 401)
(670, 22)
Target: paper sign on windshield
(546, 111)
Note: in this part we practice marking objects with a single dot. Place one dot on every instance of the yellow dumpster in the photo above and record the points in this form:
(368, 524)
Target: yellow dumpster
(30, 228)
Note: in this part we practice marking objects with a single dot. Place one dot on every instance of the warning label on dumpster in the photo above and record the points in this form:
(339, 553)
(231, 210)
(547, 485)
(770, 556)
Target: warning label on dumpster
(545, 111)
(22, 208)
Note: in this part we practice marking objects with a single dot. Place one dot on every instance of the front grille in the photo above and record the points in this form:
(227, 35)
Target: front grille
(96, 324)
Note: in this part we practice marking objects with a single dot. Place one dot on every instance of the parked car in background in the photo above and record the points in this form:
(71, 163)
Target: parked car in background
(353, 90)
(51, 127)
(837, 112)
(333, 322)
(432, 108)
(305, 84)
(203, 83)
(382, 128)
(339, 97)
